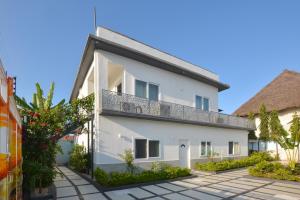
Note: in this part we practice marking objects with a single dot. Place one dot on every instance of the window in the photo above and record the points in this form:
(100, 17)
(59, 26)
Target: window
(140, 148)
(140, 89)
(205, 104)
(153, 92)
(206, 148)
(202, 103)
(153, 148)
(146, 148)
(234, 148)
(199, 102)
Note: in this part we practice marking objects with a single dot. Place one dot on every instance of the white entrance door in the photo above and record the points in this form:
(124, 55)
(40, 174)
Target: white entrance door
(184, 152)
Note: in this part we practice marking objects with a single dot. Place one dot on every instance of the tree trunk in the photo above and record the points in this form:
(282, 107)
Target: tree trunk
(258, 145)
(277, 154)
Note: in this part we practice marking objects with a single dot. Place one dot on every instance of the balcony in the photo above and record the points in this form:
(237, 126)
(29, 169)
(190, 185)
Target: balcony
(114, 103)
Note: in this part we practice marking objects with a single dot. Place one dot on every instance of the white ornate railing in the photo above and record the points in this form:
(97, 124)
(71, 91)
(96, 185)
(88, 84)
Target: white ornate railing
(126, 103)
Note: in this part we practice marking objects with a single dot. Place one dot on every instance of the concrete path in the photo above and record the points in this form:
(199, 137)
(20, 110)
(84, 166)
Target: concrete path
(230, 185)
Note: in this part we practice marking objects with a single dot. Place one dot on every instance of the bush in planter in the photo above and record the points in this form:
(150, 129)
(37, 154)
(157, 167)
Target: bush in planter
(255, 158)
(78, 158)
(126, 178)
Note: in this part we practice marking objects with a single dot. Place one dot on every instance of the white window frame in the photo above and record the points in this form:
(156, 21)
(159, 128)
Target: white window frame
(147, 88)
(206, 141)
(233, 149)
(147, 148)
(202, 105)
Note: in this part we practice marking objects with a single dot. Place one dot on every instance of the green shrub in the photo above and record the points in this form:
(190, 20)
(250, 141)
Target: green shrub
(78, 158)
(255, 158)
(128, 158)
(163, 172)
(273, 170)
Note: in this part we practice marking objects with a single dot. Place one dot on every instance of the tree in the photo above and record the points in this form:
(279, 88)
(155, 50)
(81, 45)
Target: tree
(264, 125)
(43, 125)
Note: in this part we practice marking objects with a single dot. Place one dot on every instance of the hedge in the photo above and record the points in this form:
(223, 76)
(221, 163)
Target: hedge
(275, 171)
(126, 178)
(233, 164)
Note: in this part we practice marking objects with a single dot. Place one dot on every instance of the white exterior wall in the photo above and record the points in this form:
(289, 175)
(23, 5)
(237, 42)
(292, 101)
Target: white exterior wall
(118, 134)
(172, 87)
(285, 118)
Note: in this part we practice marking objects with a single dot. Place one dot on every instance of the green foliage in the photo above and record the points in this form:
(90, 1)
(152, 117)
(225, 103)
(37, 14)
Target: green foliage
(255, 158)
(273, 170)
(78, 158)
(125, 178)
(264, 124)
(43, 125)
(128, 157)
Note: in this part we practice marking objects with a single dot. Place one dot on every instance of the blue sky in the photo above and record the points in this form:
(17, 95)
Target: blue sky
(247, 43)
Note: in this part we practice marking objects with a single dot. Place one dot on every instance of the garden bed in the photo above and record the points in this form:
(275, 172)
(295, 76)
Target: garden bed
(226, 165)
(275, 171)
(117, 179)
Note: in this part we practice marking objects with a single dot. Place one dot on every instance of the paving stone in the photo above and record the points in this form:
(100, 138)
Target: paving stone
(184, 184)
(199, 195)
(69, 198)
(214, 191)
(139, 193)
(156, 190)
(247, 183)
(172, 187)
(156, 198)
(227, 188)
(119, 194)
(96, 196)
(197, 181)
(259, 195)
(239, 186)
(176, 196)
(65, 191)
(287, 197)
(254, 180)
(74, 177)
(289, 185)
(284, 189)
(277, 192)
(62, 183)
(79, 182)
(243, 197)
(87, 189)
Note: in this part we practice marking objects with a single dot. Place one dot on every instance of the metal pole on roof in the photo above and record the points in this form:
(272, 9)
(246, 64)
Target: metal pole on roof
(95, 19)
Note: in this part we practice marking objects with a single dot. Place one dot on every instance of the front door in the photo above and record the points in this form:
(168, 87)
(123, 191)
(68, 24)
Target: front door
(184, 152)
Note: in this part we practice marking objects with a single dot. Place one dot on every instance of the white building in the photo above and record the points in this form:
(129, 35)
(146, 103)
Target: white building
(282, 94)
(161, 107)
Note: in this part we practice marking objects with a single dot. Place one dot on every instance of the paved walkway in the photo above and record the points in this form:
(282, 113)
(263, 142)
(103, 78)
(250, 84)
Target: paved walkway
(230, 185)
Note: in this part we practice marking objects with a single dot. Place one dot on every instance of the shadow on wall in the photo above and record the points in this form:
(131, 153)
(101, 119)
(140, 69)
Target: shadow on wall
(66, 147)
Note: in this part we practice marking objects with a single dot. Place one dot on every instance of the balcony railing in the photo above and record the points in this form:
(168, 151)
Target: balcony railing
(126, 104)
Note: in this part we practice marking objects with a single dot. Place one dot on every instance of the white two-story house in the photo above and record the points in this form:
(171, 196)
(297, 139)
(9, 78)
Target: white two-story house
(159, 106)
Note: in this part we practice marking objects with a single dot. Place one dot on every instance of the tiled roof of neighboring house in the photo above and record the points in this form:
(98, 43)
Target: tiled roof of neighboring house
(280, 94)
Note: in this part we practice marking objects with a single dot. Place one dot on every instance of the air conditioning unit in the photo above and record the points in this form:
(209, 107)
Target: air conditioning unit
(165, 110)
(128, 107)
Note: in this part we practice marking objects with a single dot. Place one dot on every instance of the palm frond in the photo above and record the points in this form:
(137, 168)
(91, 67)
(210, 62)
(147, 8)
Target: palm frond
(40, 99)
(22, 103)
(48, 102)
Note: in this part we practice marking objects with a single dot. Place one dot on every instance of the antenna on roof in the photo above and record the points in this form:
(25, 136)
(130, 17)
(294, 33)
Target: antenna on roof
(95, 22)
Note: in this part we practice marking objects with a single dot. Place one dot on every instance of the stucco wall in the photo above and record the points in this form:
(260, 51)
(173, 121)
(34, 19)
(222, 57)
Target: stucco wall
(172, 87)
(118, 133)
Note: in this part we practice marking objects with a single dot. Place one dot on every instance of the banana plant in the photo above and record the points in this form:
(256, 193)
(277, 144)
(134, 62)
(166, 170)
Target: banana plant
(39, 102)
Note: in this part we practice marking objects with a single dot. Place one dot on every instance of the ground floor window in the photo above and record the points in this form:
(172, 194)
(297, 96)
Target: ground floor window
(206, 148)
(146, 148)
(234, 148)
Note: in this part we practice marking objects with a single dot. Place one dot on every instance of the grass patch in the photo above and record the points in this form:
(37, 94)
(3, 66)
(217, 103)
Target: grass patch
(234, 164)
(275, 171)
(125, 178)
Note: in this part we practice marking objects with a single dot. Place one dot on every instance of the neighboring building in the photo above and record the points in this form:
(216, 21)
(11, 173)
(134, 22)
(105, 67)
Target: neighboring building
(66, 143)
(283, 95)
(10, 141)
(161, 107)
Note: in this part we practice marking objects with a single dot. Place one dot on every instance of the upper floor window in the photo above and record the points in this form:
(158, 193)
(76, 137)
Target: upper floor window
(140, 89)
(153, 92)
(202, 103)
(146, 90)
